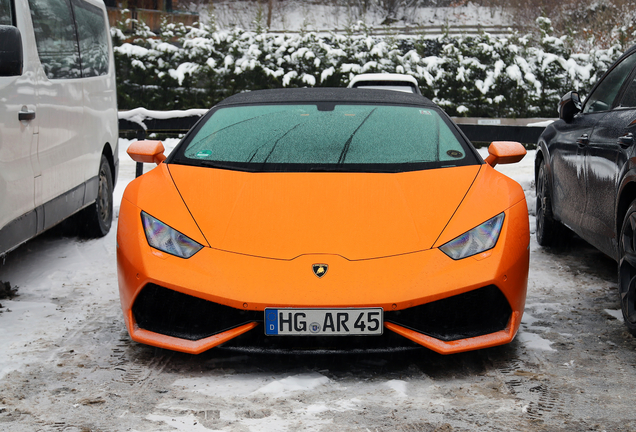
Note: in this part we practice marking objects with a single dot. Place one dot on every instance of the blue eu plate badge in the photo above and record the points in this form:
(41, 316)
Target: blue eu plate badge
(271, 321)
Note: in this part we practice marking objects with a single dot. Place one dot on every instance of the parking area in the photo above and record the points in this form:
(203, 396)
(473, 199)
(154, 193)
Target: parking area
(68, 364)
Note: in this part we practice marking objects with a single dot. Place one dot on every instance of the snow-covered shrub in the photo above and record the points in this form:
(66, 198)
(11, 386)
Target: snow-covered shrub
(479, 75)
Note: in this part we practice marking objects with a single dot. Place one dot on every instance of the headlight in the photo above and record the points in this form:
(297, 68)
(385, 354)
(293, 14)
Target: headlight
(476, 240)
(161, 236)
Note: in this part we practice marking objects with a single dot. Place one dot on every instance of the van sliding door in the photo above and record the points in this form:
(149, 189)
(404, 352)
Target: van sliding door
(61, 149)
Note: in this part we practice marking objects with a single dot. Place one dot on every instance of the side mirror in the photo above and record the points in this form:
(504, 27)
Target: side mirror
(505, 152)
(569, 106)
(146, 152)
(10, 51)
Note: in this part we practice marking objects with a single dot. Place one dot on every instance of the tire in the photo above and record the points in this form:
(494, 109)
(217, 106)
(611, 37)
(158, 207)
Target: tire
(97, 219)
(549, 231)
(627, 268)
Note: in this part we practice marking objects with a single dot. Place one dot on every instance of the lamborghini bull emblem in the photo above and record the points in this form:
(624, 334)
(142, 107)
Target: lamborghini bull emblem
(320, 269)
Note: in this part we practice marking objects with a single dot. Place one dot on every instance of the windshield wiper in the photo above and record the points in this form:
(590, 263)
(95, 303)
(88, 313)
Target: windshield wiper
(276, 143)
(345, 149)
(355, 169)
(222, 165)
(331, 168)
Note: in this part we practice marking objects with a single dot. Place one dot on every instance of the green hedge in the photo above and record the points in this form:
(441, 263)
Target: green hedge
(474, 76)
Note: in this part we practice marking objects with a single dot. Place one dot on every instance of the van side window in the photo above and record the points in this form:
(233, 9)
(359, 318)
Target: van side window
(93, 38)
(55, 38)
(6, 13)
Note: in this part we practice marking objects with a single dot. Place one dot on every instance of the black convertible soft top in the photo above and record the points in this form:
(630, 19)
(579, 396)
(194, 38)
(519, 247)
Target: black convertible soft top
(327, 94)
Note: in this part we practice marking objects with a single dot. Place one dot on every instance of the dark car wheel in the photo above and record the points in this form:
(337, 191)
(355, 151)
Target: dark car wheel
(548, 229)
(98, 218)
(627, 268)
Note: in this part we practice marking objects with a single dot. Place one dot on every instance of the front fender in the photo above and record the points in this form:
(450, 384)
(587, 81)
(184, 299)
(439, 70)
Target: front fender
(626, 194)
(543, 155)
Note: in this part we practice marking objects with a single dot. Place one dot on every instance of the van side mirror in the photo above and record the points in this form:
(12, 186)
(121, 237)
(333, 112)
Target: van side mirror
(569, 106)
(10, 51)
(505, 152)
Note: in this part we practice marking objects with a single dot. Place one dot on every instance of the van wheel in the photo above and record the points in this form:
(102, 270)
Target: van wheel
(549, 230)
(627, 268)
(98, 218)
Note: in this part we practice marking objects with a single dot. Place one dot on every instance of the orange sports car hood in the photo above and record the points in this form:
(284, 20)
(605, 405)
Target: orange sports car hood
(355, 215)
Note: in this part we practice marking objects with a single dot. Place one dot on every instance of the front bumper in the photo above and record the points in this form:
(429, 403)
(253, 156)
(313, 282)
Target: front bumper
(194, 304)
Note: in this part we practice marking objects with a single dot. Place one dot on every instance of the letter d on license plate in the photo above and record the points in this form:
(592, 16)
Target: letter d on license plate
(323, 322)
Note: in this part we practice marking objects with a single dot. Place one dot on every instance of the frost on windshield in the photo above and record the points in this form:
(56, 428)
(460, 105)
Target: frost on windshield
(318, 135)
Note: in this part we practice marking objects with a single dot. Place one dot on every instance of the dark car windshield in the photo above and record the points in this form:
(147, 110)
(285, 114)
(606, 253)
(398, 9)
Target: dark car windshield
(315, 137)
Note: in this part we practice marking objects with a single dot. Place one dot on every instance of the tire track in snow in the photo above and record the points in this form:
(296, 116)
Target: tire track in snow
(538, 401)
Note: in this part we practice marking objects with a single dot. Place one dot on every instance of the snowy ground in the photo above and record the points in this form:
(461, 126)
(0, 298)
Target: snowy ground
(297, 15)
(67, 363)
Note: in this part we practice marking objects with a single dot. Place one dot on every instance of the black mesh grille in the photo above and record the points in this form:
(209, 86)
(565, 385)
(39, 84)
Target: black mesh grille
(172, 313)
(475, 313)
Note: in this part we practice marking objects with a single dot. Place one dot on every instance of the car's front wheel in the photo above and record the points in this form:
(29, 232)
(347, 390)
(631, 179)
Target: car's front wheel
(548, 228)
(627, 268)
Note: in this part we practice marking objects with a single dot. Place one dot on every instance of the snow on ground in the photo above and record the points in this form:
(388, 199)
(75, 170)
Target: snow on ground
(295, 15)
(67, 363)
(617, 314)
(52, 276)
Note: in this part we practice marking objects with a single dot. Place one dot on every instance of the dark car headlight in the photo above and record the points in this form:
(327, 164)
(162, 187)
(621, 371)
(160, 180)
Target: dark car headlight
(166, 239)
(477, 240)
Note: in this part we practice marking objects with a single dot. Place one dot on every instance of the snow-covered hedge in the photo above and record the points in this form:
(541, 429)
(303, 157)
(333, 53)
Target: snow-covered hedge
(483, 75)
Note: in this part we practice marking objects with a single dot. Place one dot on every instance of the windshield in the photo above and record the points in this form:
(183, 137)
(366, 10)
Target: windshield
(324, 137)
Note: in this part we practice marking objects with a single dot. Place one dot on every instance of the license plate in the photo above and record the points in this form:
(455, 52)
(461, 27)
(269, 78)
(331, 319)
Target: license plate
(323, 322)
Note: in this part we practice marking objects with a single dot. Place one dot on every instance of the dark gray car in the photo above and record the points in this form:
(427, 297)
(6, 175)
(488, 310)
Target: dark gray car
(585, 172)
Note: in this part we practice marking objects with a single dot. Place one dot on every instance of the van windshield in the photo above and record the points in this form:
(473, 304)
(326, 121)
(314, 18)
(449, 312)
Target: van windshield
(316, 137)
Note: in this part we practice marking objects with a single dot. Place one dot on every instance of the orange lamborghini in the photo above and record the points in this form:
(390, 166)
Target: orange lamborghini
(327, 219)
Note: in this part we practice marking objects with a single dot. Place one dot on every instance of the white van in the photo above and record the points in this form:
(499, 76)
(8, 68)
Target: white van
(58, 118)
